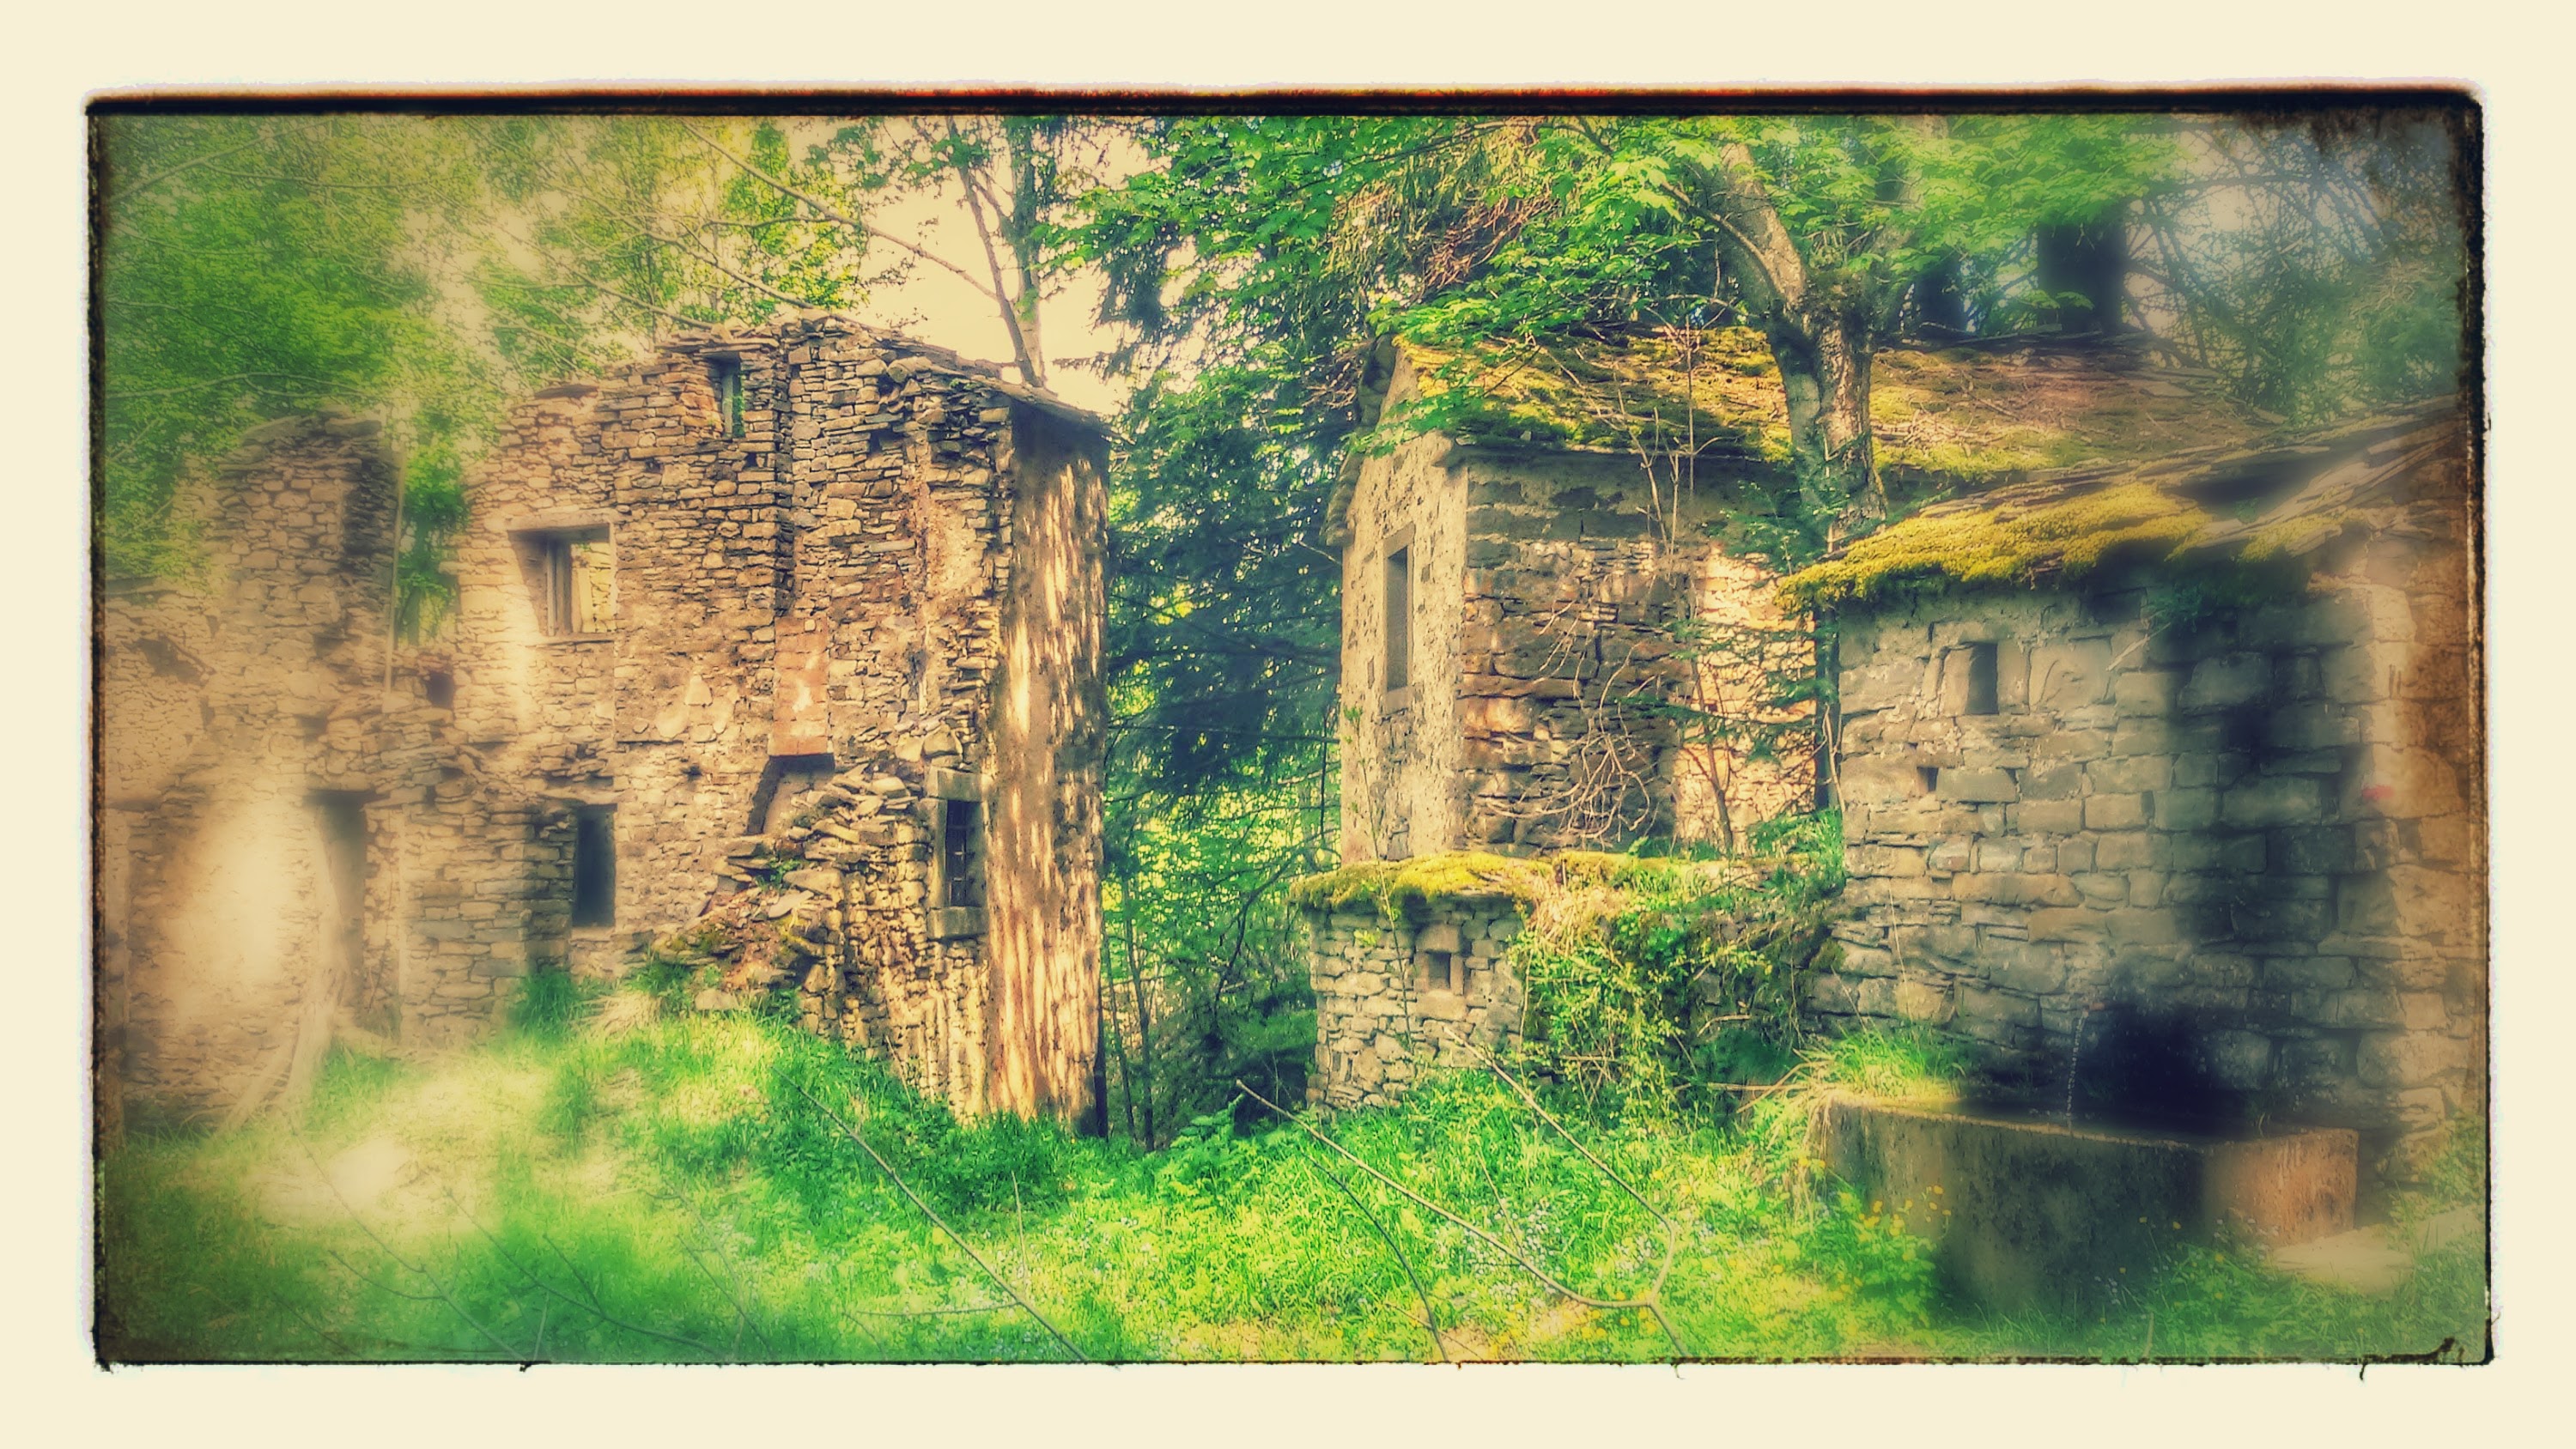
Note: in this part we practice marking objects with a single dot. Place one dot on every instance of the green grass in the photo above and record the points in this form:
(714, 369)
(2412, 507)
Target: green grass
(669, 1194)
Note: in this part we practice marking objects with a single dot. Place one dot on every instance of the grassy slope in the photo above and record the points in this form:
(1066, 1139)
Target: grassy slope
(670, 1194)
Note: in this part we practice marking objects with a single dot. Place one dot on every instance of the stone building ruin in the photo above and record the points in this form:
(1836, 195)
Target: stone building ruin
(1559, 630)
(2165, 783)
(1540, 635)
(810, 590)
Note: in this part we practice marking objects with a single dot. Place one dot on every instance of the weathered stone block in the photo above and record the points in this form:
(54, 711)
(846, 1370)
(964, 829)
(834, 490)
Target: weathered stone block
(2273, 800)
(2225, 682)
(2114, 812)
(1979, 786)
(2186, 809)
(2145, 692)
(2071, 673)
(2049, 817)
(2037, 1215)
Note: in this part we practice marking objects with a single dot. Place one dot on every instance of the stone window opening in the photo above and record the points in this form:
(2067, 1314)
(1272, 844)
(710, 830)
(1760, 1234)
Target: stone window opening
(1440, 971)
(1399, 614)
(438, 686)
(957, 854)
(344, 864)
(594, 866)
(725, 374)
(577, 583)
(788, 784)
(1981, 679)
(1930, 776)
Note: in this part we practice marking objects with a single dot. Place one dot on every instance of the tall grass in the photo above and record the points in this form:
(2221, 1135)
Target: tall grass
(667, 1192)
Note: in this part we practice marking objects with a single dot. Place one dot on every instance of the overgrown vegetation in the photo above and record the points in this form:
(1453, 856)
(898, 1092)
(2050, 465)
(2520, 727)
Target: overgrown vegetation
(1670, 982)
(680, 1189)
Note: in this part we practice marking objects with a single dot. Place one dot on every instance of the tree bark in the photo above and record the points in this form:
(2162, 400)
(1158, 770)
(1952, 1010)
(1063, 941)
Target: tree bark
(1822, 335)
(1824, 369)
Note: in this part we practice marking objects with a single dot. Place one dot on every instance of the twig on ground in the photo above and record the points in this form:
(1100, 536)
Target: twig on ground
(382, 1246)
(595, 1308)
(737, 1292)
(1646, 1305)
(599, 1307)
(1570, 1139)
(941, 1223)
(1430, 1320)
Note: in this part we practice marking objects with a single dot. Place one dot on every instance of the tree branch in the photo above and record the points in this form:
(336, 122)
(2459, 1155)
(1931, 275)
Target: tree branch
(832, 213)
(1645, 1305)
(1430, 1320)
(941, 1223)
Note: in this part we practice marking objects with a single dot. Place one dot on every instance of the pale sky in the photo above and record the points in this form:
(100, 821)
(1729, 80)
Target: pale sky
(937, 307)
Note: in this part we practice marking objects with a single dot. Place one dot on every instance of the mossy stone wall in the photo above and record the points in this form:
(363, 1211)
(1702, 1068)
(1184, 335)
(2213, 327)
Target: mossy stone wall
(1385, 1010)
(2234, 865)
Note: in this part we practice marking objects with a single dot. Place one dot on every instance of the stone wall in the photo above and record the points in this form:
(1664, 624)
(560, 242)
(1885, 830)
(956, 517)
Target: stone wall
(1386, 1008)
(2234, 866)
(287, 828)
(874, 590)
(894, 560)
(1564, 604)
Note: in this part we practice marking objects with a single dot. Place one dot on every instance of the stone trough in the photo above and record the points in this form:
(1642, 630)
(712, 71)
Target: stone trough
(2032, 1213)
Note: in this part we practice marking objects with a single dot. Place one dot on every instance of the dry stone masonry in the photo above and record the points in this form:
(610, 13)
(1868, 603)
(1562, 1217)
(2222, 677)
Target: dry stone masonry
(1395, 997)
(810, 596)
(1534, 637)
(2218, 858)
(2161, 773)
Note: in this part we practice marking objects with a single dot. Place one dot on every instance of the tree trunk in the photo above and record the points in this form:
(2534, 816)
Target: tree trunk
(1822, 329)
(1824, 369)
(1020, 234)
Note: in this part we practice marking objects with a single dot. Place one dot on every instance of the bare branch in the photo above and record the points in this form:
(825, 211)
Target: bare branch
(1550, 1119)
(1646, 1305)
(941, 1223)
(1430, 1320)
(832, 213)
(265, 138)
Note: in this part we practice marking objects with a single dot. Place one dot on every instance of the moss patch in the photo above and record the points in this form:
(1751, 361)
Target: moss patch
(1393, 886)
(2004, 542)
(1968, 415)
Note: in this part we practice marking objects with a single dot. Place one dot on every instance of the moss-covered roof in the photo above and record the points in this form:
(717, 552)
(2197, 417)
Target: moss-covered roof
(1969, 414)
(2214, 504)
(1393, 886)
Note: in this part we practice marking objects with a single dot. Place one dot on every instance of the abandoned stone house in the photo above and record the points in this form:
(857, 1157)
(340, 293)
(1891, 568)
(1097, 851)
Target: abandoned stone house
(812, 594)
(2159, 747)
(2165, 782)
(1558, 630)
(1543, 637)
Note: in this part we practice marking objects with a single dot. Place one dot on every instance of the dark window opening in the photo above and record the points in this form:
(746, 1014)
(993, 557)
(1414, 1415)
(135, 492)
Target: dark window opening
(726, 374)
(1981, 679)
(439, 688)
(1440, 970)
(957, 852)
(1399, 619)
(594, 867)
(1930, 775)
(344, 862)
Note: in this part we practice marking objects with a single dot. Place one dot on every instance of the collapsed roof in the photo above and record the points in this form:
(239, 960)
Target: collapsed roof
(1968, 413)
(2276, 502)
